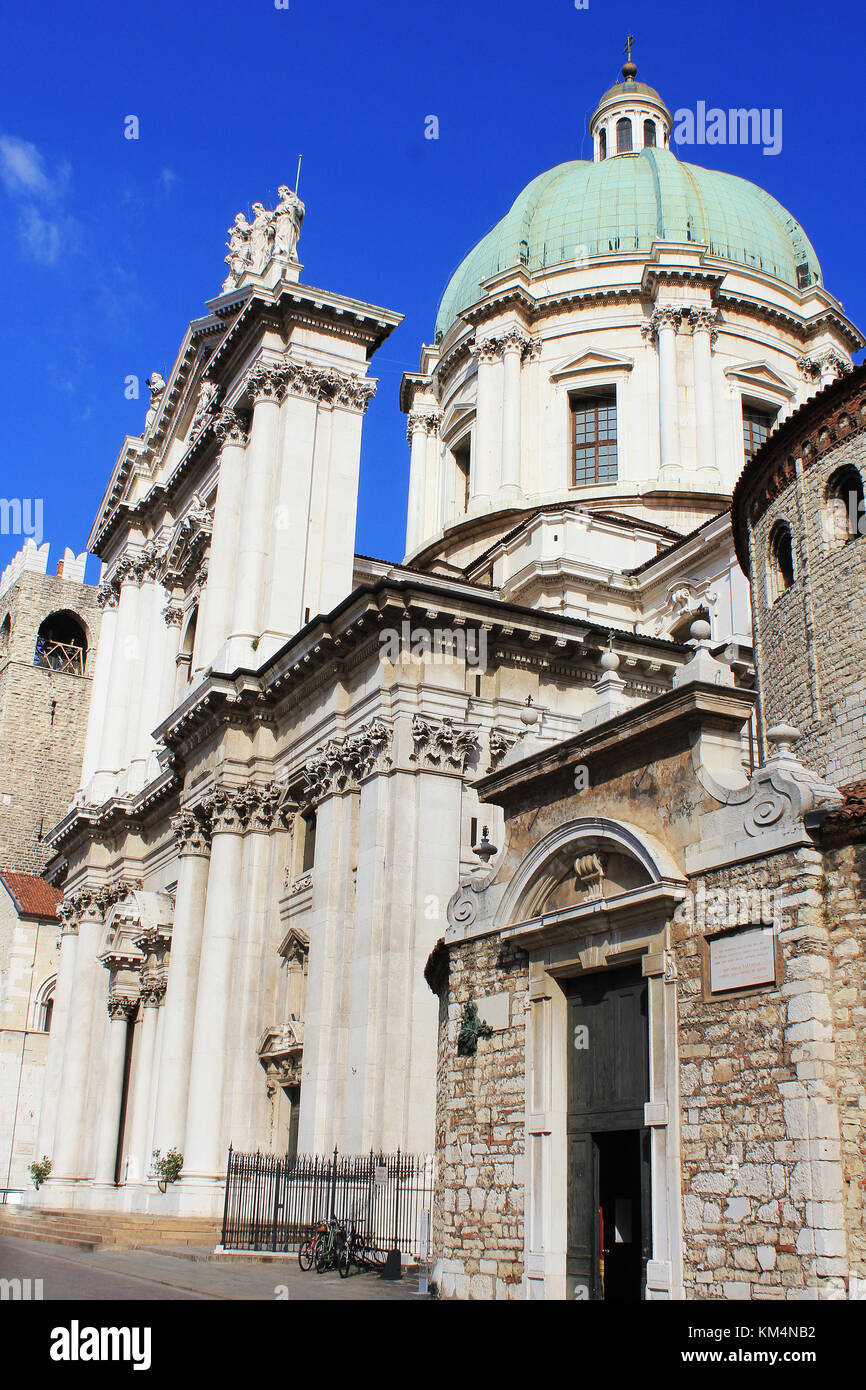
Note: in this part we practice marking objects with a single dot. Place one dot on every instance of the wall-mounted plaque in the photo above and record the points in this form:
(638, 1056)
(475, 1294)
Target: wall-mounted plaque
(742, 959)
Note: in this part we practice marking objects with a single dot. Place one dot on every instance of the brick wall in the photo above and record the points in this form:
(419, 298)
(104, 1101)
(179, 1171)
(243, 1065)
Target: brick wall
(43, 717)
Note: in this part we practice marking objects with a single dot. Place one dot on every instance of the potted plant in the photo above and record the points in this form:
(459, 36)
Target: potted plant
(39, 1171)
(167, 1167)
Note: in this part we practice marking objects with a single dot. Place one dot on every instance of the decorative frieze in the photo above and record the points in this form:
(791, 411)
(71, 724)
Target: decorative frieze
(442, 744)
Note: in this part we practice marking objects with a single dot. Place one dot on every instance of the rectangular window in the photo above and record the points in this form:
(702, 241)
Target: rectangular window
(308, 853)
(461, 454)
(756, 426)
(594, 439)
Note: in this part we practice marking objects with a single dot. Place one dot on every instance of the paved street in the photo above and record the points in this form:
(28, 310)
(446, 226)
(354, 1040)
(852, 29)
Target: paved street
(82, 1275)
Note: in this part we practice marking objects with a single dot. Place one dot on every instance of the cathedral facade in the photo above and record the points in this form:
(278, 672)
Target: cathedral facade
(296, 754)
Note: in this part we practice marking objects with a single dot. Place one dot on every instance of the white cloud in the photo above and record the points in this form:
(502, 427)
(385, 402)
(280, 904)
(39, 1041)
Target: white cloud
(44, 234)
(22, 170)
(167, 178)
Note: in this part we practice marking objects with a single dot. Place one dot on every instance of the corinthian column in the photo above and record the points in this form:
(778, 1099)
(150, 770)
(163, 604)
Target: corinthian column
(513, 344)
(142, 745)
(121, 1008)
(204, 1156)
(256, 519)
(192, 834)
(106, 597)
(87, 915)
(123, 664)
(139, 1148)
(665, 322)
(703, 334)
(230, 429)
(487, 422)
(418, 426)
(173, 618)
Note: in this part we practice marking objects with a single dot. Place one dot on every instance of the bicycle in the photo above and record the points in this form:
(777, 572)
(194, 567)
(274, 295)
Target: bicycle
(330, 1245)
(309, 1248)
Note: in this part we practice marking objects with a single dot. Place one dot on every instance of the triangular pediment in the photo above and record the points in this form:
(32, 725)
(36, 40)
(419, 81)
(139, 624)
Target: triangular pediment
(592, 360)
(762, 376)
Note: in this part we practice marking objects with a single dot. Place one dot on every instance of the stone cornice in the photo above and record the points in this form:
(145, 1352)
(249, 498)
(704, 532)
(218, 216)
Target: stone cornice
(828, 419)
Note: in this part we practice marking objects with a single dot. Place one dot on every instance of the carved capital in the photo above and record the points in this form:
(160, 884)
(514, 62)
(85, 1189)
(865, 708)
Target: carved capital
(704, 321)
(122, 1007)
(344, 763)
(499, 742)
(668, 316)
(231, 428)
(106, 594)
(153, 991)
(441, 744)
(192, 830)
(266, 383)
(173, 615)
(422, 421)
(486, 350)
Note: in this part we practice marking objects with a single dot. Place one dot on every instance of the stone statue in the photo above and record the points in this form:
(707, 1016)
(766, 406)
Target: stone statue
(238, 257)
(288, 216)
(261, 238)
(156, 386)
(207, 392)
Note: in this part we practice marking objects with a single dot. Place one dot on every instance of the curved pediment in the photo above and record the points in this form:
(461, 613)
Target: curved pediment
(586, 860)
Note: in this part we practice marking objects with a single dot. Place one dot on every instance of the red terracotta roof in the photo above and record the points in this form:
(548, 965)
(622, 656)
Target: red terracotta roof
(32, 896)
(848, 821)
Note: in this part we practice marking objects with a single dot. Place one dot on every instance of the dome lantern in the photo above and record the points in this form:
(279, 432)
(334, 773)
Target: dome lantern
(630, 117)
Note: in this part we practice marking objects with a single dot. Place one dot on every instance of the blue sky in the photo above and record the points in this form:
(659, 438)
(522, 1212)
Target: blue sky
(111, 246)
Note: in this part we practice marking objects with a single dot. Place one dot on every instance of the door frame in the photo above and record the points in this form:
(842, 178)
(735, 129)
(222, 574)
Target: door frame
(609, 945)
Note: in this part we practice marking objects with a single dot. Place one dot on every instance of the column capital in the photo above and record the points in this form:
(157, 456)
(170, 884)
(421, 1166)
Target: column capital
(231, 428)
(192, 830)
(704, 320)
(153, 991)
(122, 1006)
(515, 340)
(442, 745)
(422, 422)
(323, 385)
(173, 614)
(666, 316)
(107, 593)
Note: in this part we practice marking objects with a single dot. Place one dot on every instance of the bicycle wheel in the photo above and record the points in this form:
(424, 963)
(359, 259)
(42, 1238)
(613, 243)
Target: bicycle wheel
(307, 1252)
(324, 1256)
(344, 1259)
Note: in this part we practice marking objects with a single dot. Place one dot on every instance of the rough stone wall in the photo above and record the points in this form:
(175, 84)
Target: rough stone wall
(833, 742)
(761, 1155)
(480, 1131)
(43, 718)
(843, 890)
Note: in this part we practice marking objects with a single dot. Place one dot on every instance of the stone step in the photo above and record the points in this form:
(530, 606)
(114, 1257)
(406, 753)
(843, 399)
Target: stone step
(109, 1229)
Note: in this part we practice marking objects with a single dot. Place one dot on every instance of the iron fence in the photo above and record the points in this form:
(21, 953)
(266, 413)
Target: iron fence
(274, 1202)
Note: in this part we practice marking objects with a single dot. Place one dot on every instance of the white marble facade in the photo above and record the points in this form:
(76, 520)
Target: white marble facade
(275, 807)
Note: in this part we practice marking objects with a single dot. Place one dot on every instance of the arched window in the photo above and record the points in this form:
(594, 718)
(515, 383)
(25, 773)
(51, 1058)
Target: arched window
(780, 568)
(188, 645)
(5, 634)
(844, 512)
(602, 144)
(649, 135)
(623, 136)
(44, 1005)
(61, 644)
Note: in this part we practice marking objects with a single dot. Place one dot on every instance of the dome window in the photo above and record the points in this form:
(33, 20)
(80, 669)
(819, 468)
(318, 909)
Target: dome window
(780, 570)
(623, 136)
(594, 439)
(61, 644)
(602, 144)
(844, 508)
(649, 135)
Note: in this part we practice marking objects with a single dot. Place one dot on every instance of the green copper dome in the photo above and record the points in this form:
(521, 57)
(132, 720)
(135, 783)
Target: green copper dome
(624, 204)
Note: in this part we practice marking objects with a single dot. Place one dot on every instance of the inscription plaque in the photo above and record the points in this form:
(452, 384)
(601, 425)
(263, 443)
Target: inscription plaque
(744, 959)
